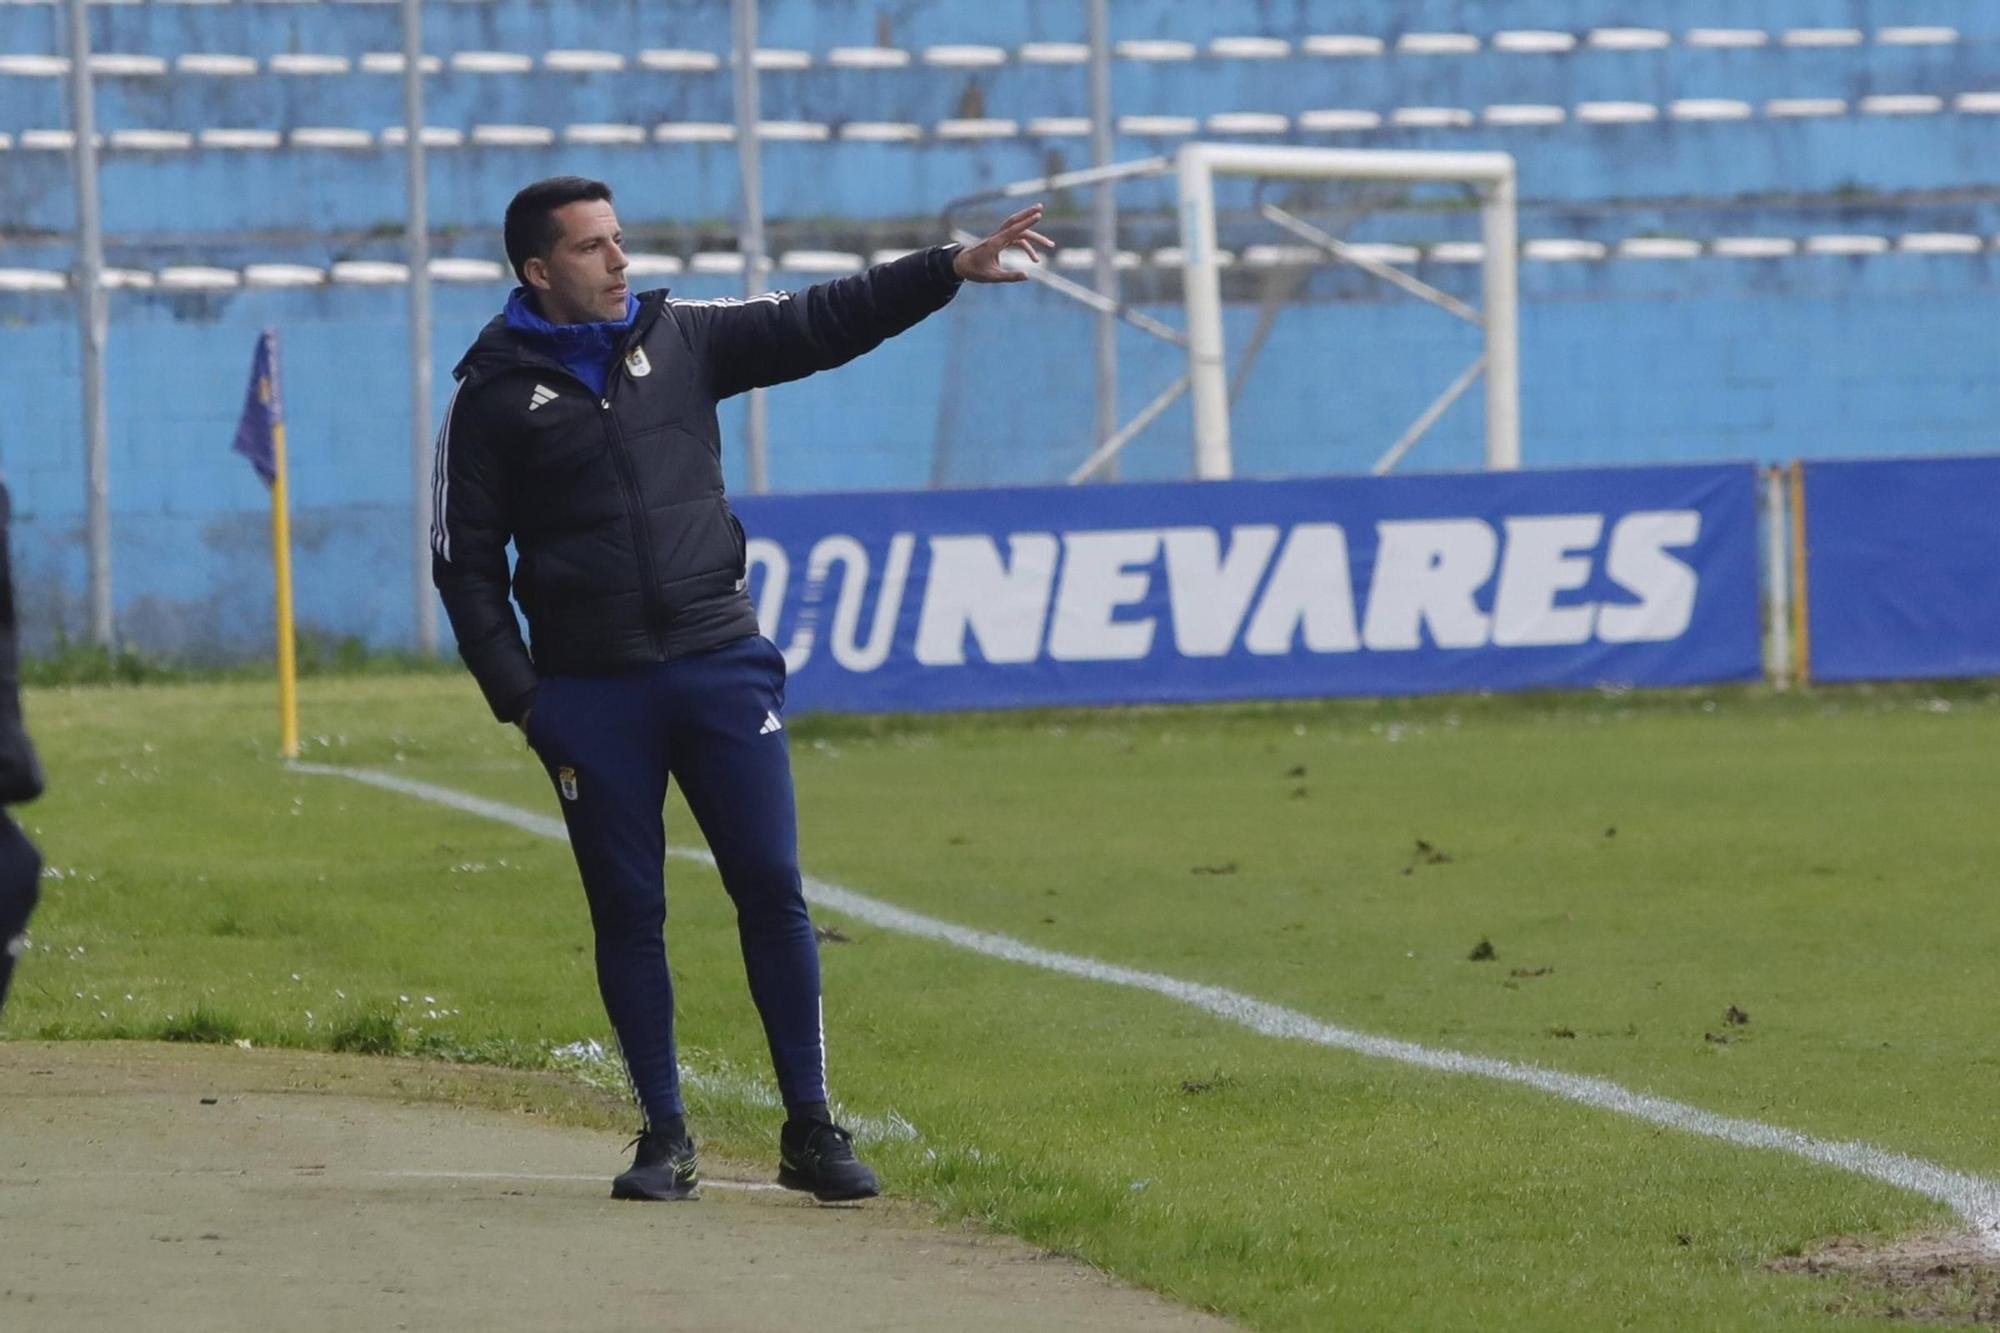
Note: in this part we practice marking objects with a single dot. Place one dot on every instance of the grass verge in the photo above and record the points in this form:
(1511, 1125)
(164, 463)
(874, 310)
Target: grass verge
(1637, 867)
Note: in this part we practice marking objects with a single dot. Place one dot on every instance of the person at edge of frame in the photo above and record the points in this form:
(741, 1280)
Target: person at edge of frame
(20, 776)
(584, 430)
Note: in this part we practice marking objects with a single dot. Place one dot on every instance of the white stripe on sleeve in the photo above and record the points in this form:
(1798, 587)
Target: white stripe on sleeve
(441, 481)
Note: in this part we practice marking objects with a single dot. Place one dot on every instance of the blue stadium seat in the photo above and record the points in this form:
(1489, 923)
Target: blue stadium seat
(1748, 235)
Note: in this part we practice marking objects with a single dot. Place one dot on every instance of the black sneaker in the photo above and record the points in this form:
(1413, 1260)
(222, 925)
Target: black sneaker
(662, 1169)
(819, 1157)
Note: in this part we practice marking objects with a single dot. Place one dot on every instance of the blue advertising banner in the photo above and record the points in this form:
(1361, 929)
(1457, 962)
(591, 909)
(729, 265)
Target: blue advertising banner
(923, 600)
(1903, 568)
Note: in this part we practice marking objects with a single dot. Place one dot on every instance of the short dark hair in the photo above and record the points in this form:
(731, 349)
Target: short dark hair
(532, 230)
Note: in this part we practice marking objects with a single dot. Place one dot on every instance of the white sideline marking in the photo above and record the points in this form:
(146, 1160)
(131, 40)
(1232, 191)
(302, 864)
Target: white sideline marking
(1974, 1198)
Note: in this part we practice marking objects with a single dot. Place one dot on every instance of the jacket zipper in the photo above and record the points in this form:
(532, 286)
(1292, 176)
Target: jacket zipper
(635, 503)
(628, 482)
(642, 536)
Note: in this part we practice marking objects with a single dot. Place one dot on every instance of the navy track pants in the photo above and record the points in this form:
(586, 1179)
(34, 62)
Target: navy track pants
(712, 722)
(20, 884)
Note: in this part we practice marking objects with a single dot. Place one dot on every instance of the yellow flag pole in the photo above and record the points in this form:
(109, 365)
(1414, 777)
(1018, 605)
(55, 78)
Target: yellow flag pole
(281, 560)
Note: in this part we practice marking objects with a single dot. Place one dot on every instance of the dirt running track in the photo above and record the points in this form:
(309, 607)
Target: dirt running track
(349, 1193)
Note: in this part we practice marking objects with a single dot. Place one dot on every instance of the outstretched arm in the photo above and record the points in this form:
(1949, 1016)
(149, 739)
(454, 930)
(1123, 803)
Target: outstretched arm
(784, 336)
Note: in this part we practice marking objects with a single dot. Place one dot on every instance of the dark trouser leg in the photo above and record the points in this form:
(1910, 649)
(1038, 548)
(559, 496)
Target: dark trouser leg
(601, 741)
(20, 885)
(737, 777)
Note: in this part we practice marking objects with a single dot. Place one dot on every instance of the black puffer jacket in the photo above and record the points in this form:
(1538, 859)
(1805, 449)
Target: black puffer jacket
(626, 549)
(20, 769)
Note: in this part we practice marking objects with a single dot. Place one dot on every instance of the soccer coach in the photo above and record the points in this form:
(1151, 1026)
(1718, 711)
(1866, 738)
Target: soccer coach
(584, 430)
(20, 776)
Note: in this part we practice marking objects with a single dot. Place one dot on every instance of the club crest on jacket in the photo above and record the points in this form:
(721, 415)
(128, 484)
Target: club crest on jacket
(637, 364)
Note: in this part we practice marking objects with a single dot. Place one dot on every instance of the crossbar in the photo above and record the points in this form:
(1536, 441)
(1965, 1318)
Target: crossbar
(1197, 166)
(1369, 164)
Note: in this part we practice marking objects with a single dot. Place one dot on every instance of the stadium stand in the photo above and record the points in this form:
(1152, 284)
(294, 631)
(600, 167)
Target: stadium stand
(1742, 239)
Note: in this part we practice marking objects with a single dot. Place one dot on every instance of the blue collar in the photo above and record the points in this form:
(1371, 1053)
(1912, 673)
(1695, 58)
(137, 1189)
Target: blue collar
(585, 350)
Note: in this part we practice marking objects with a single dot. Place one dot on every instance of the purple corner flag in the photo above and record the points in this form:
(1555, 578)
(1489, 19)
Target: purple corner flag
(263, 410)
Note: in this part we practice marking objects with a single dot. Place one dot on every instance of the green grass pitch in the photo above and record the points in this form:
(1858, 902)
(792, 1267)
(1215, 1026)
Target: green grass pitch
(1639, 865)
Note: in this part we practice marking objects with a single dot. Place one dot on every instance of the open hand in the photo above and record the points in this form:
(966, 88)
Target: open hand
(981, 262)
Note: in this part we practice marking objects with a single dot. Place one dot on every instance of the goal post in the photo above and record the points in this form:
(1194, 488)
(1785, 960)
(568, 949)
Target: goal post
(1206, 379)
(1197, 166)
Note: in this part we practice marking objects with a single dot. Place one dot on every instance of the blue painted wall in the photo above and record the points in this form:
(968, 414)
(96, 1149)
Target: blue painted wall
(358, 189)
(1625, 361)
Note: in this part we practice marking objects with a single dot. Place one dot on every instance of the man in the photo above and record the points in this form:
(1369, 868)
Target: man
(584, 429)
(20, 779)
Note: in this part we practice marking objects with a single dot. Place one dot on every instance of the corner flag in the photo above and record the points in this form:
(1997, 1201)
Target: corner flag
(260, 437)
(263, 410)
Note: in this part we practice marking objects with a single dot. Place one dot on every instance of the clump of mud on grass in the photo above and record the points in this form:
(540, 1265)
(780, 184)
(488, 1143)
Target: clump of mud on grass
(1939, 1278)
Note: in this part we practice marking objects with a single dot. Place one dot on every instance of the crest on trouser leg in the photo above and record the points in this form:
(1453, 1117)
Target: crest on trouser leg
(566, 780)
